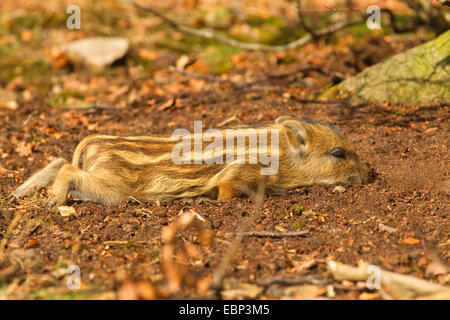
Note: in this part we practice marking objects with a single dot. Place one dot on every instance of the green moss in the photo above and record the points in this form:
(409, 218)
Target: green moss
(257, 21)
(418, 76)
(218, 58)
(268, 34)
(60, 98)
(60, 265)
(217, 18)
(360, 31)
(329, 93)
(36, 20)
(288, 59)
(147, 64)
(16, 61)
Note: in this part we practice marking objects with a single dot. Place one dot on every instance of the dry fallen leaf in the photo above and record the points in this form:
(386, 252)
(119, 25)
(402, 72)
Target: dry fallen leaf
(238, 290)
(147, 54)
(410, 241)
(166, 105)
(26, 35)
(369, 296)
(142, 290)
(66, 211)
(320, 219)
(305, 291)
(348, 283)
(23, 148)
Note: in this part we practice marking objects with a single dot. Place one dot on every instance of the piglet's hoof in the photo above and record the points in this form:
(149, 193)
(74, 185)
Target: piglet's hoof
(51, 206)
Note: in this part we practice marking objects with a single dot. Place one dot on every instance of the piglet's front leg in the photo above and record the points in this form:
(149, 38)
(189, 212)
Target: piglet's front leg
(227, 191)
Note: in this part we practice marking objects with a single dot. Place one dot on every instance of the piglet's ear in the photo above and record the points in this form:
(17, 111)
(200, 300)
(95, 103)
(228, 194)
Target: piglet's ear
(296, 135)
(283, 119)
(292, 124)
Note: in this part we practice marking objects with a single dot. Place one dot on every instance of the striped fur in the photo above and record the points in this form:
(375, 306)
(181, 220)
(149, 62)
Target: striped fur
(109, 169)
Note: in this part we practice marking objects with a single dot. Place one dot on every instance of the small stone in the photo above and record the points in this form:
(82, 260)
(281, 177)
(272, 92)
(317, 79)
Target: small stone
(430, 130)
(338, 189)
(386, 228)
(97, 53)
(8, 99)
(286, 95)
(66, 211)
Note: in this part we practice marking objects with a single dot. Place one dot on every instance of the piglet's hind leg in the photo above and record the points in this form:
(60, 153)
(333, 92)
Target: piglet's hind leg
(41, 179)
(84, 185)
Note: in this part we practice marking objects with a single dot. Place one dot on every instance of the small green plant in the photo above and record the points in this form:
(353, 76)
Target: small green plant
(295, 210)
(298, 224)
(60, 264)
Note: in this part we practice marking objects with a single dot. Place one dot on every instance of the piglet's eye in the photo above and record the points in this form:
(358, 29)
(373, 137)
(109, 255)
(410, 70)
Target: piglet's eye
(338, 153)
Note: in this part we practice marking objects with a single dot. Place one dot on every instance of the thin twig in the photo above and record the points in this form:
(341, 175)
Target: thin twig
(199, 76)
(306, 68)
(273, 234)
(214, 35)
(302, 21)
(227, 121)
(92, 107)
(315, 101)
(290, 281)
(128, 242)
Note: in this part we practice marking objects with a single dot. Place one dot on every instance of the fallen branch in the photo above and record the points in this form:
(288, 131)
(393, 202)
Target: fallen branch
(341, 101)
(214, 35)
(240, 85)
(306, 280)
(392, 285)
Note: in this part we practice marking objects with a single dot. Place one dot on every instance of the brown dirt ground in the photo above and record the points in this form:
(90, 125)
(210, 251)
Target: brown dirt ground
(406, 146)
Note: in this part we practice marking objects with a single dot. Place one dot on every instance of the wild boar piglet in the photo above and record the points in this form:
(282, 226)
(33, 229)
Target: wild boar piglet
(217, 164)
